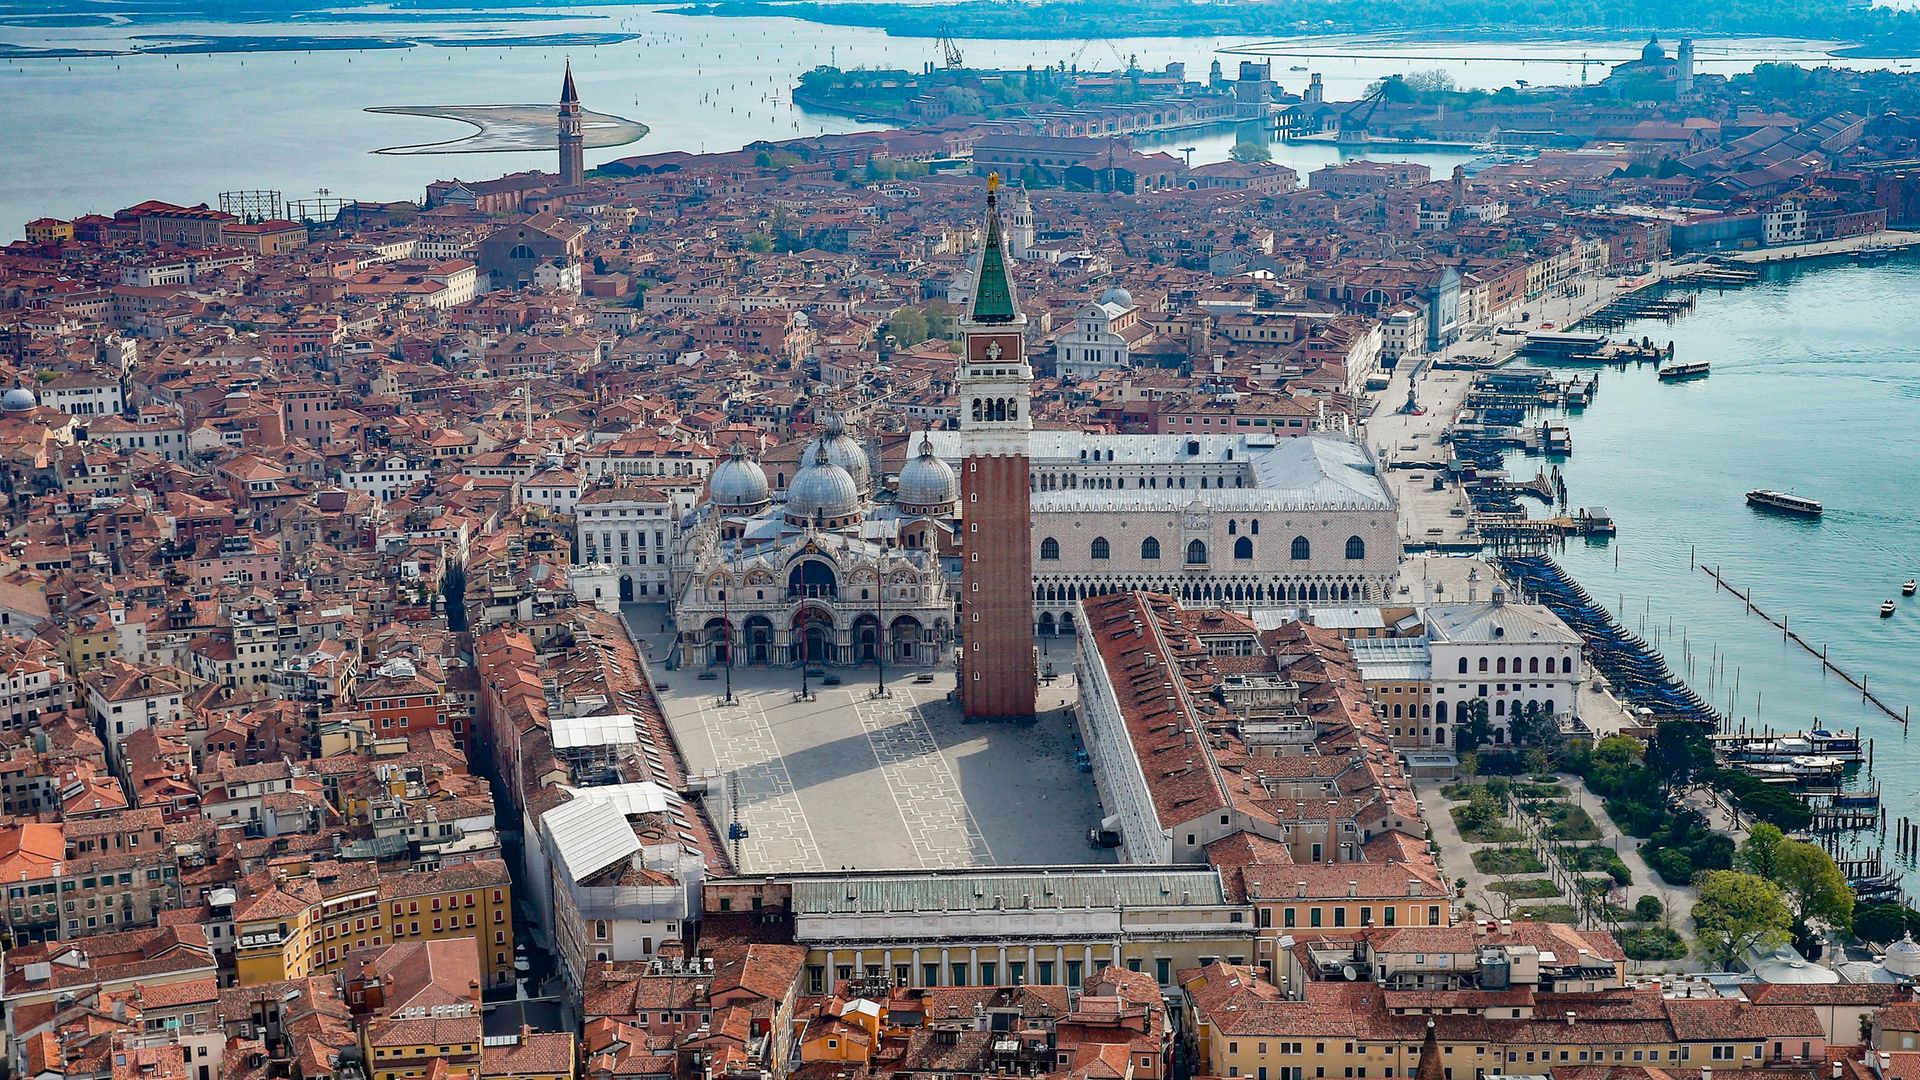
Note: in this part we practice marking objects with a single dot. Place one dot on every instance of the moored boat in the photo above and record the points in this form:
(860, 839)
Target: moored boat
(1908, 586)
(1780, 500)
(1887, 609)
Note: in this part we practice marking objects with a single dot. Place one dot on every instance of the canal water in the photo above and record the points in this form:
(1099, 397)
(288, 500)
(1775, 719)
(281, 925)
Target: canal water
(1815, 389)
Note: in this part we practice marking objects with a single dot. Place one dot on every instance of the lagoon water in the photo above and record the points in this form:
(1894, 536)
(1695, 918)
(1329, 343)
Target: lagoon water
(97, 134)
(1815, 389)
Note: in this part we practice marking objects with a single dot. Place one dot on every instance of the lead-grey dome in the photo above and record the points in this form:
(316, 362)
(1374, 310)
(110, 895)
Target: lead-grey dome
(927, 484)
(1117, 294)
(822, 492)
(739, 483)
(18, 399)
(844, 450)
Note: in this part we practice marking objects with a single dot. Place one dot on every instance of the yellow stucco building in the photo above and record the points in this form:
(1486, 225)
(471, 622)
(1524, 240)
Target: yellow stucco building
(302, 920)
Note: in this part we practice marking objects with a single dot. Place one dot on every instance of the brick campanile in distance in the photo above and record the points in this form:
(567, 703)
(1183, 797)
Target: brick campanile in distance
(997, 674)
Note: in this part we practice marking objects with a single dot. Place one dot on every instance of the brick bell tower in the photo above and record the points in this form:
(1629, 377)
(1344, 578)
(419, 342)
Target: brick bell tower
(997, 676)
(572, 135)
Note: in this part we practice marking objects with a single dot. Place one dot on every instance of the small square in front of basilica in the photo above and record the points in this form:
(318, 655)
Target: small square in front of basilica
(850, 780)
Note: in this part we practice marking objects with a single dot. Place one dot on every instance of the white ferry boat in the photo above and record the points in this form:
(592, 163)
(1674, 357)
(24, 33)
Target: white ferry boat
(1780, 500)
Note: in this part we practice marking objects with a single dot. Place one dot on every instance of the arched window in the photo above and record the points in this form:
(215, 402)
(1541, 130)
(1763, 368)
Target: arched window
(1533, 666)
(1500, 666)
(1150, 548)
(1101, 549)
(1302, 551)
(1050, 548)
(1196, 552)
(1463, 665)
(977, 411)
(1254, 526)
(1243, 548)
(1483, 664)
(1232, 527)
(521, 251)
(1356, 548)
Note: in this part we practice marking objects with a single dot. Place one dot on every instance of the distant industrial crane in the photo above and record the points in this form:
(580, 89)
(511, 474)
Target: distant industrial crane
(1352, 130)
(949, 50)
(1126, 63)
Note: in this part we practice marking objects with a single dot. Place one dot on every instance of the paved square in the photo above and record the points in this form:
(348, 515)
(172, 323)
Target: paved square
(847, 780)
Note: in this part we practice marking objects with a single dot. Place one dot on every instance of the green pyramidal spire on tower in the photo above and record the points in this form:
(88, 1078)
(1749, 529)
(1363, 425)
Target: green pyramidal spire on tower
(993, 297)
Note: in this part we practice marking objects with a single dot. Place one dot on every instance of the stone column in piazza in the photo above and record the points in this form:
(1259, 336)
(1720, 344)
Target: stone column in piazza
(997, 669)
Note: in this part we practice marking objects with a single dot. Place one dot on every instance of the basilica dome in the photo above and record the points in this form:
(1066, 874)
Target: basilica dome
(844, 450)
(18, 399)
(927, 484)
(739, 483)
(1117, 294)
(822, 491)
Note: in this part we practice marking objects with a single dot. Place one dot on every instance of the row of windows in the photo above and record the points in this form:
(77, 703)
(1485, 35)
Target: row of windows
(1301, 550)
(1533, 667)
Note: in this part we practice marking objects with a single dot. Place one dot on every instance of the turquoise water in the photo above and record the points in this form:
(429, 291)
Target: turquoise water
(1815, 389)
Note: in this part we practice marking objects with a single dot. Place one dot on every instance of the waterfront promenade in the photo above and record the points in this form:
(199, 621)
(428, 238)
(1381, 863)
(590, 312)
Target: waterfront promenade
(1888, 240)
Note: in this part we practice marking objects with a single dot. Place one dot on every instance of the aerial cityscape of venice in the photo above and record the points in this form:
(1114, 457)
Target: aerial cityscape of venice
(959, 540)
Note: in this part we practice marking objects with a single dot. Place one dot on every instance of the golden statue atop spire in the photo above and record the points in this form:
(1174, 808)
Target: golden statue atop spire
(993, 182)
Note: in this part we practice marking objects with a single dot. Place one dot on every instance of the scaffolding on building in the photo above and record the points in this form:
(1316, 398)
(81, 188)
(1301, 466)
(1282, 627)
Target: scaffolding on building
(252, 206)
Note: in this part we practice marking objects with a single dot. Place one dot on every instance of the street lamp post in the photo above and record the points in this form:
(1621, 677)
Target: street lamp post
(726, 617)
(880, 624)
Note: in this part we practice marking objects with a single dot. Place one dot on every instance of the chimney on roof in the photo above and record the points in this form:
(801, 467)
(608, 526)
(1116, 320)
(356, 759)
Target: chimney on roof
(1570, 1024)
(1300, 888)
(1413, 886)
(1706, 1072)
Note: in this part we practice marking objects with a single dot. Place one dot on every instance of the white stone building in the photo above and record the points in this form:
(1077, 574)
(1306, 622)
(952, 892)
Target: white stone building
(630, 527)
(1237, 520)
(1509, 654)
(1102, 337)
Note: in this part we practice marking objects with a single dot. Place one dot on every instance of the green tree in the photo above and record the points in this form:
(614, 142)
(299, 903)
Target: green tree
(1884, 922)
(1815, 889)
(908, 326)
(962, 101)
(1430, 83)
(759, 242)
(1472, 730)
(1614, 764)
(1680, 753)
(1760, 851)
(1249, 151)
(1736, 913)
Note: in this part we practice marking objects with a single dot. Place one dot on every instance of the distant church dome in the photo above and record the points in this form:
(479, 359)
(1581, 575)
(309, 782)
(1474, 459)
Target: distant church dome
(739, 483)
(1116, 294)
(822, 491)
(1654, 52)
(18, 399)
(844, 450)
(1903, 957)
(927, 484)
